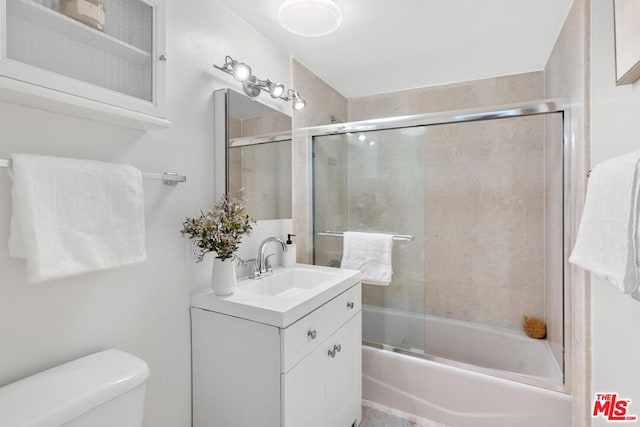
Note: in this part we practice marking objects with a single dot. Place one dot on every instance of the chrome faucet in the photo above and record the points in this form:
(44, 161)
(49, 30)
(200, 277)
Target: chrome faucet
(263, 266)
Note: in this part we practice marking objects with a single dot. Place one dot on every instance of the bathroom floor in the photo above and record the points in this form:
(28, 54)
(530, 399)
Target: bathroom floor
(376, 415)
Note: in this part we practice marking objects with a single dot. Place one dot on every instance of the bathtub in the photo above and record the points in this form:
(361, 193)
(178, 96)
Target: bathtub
(482, 382)
(498, 349)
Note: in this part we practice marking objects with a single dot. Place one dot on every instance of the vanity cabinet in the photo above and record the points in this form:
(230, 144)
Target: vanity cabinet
(247, 373)
(51, 61)
(325, 388)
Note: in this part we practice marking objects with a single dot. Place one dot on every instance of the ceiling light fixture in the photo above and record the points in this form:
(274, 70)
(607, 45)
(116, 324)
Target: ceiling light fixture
(252, 85)
(310, 18)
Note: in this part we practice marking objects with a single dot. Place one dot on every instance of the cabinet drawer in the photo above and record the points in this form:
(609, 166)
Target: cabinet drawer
(301, 338)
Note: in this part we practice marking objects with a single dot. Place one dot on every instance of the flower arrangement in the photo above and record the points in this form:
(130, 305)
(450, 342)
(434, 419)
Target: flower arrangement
(220, 229)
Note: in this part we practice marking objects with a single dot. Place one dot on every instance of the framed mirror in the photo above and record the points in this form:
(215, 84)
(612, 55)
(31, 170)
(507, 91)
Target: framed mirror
(253, 154)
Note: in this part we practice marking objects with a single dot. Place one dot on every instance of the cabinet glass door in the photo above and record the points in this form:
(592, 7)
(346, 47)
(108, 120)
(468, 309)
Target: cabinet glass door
(71, 45)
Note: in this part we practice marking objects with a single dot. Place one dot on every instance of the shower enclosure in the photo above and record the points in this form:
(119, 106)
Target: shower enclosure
(478, 203)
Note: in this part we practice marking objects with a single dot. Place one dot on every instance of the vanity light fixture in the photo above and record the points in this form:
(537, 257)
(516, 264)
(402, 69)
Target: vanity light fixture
(310, 18)
(252, 85)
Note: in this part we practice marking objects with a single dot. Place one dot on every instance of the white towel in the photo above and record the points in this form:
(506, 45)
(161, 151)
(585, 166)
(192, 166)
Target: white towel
(607, 242)
(75, 216)
(371, 254)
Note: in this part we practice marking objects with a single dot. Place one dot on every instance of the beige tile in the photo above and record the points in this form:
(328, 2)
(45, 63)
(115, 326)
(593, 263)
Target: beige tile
(484, 221)
(567, 75)
(472, 94)
(235, 127)
(265, 124)
(261, 175)
(323, 102)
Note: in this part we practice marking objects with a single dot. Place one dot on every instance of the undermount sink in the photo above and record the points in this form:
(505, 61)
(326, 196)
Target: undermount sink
(287, 283)
(282, 297)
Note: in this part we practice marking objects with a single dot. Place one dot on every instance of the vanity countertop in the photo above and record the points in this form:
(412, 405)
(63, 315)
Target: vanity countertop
(281, 298)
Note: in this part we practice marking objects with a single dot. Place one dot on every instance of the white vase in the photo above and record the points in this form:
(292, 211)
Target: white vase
(223, 276)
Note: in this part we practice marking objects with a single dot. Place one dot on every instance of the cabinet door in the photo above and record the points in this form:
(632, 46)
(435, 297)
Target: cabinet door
(119, 65)
(235, 372)
(344, 376)
(303, 392)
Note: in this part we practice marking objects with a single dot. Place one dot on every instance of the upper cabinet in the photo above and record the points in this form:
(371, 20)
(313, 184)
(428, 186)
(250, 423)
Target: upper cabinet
(97, 59)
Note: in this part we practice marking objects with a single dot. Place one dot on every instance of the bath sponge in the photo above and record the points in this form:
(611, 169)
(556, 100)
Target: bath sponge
(535, 328)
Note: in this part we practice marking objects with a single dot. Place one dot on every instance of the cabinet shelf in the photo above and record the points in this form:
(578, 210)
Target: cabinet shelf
(67, 27)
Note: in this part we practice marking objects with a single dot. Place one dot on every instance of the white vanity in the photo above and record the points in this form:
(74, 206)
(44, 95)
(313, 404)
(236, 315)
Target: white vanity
(282, 351)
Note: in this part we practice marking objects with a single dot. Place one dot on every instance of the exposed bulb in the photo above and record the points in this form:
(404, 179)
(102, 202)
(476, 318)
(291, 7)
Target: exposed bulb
(241, 71)
(276, 89)
(299, 103)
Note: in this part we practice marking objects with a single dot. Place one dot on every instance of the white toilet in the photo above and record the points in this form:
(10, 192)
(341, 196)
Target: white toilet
(105, 389)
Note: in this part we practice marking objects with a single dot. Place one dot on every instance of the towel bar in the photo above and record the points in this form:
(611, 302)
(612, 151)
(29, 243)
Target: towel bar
(397, 237)
(168, 178)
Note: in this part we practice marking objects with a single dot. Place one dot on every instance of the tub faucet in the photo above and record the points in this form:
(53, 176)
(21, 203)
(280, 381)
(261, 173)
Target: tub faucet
(263, 268)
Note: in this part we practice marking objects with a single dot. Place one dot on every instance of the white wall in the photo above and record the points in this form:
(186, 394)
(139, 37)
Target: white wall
(142, 309)
(615, 130)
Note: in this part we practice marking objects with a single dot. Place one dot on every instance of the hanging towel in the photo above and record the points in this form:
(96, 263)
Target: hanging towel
(75, 216)
(607, 242)
(371, 254)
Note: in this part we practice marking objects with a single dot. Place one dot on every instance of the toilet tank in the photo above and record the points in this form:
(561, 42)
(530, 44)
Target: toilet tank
(104, 389)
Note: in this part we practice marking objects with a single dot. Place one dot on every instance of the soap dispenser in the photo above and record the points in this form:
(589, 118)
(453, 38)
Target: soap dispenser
(289, 256)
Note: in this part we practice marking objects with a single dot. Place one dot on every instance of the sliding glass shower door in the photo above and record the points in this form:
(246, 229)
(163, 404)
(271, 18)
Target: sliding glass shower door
(482, 206)
(375, 182)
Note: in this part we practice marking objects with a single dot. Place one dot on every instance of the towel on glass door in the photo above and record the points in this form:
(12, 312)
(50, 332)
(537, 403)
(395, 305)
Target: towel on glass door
(75, 216)
(607, 241)
(371, 254)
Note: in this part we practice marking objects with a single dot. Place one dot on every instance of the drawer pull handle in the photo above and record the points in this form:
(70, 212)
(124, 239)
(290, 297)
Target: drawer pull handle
(332, 352)
(312, 334)
(163, 58)
(350, 305)
(337, 347)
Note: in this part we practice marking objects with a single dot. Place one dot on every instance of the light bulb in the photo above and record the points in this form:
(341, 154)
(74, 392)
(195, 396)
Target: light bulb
(276, 89)
(362, 137)
(299, 104)
(241, 71)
